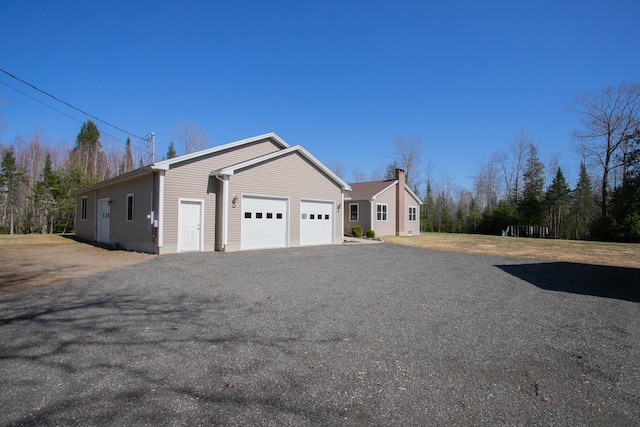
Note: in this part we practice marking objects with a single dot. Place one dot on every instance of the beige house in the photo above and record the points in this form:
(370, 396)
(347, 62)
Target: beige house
(250, 194)
(389, 208)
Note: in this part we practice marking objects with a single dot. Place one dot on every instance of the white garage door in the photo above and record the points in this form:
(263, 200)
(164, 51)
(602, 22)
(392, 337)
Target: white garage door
(263, 223)
(316, 223)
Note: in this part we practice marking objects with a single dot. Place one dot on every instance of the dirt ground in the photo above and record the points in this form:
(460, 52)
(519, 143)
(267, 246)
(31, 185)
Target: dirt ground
(37, 260)
(33, 261)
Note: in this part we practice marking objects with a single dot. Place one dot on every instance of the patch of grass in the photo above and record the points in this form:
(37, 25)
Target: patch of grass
(600, 253)
(34, 239)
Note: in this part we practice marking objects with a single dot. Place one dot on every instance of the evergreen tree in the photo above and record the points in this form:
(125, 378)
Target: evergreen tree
(557, 201)
(87, 148)
(428, 209)
(583, 205)
(127, 161)
(625, 201)
(171, 152)
(46, 193)
(531, 208)
(12, 181)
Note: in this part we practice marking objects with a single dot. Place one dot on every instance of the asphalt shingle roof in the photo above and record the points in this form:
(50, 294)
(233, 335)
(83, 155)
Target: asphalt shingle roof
(366, 190)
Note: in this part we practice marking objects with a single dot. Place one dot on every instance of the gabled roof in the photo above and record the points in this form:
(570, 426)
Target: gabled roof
(368, 190)
(231, 170)
(372, 189)
(165, 164)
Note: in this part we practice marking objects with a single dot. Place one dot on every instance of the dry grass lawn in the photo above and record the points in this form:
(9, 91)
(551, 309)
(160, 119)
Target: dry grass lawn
(599, 253)
(29, 261)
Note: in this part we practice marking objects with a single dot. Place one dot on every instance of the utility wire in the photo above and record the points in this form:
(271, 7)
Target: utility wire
(65, 114)
(68, 105)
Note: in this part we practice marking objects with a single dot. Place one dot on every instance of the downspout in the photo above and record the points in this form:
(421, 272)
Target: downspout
(225, 206)
(160, 210)
(95, 216)
(342, 217)
(152, 217)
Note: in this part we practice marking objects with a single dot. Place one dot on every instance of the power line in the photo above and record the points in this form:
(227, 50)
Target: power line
(65, 114)
(67, 104)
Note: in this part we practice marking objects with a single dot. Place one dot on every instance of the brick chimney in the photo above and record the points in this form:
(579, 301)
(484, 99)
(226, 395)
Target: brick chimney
(400, 211)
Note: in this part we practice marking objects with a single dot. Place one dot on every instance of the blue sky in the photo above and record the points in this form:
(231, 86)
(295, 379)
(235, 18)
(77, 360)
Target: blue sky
(340, 78)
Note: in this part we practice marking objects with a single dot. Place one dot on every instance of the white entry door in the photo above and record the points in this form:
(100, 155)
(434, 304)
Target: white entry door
(264, 223)
(104, 221)
(190, 226)
(316, 223)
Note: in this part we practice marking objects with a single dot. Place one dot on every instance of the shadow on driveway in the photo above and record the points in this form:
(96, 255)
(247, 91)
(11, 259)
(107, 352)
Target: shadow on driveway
(585, 279)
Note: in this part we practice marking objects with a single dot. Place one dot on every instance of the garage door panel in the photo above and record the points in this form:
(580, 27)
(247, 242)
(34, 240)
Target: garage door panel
(263, 223)
(316, 223)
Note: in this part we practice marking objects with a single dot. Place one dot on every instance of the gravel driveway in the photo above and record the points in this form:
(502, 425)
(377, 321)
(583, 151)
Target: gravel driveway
(344, 335)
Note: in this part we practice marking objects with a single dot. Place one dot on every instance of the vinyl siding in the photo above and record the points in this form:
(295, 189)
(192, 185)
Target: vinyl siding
(85, 228)
(413, 227)
(364, 216)
(135, 235)
(388, 227)
(192, 180)
(290, 176)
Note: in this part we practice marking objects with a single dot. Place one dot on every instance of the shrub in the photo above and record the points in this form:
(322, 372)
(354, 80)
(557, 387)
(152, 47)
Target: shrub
(371, 234)
(356, 230)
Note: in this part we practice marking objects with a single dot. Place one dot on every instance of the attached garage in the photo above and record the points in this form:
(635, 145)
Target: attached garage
(254, 193)
(264, 222)
(316, 222)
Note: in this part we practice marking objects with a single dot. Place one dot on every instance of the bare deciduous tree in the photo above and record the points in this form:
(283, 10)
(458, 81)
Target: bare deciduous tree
(337, 167)
(606, 117)
(358, 174)
(407, 152)
(189, 137)
(377, 174)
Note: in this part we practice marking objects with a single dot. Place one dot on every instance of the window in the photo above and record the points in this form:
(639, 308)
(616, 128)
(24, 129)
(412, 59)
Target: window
(413, 212)
(312, 216)
(258, 215)
(247, 215)
(353, 212)
(319, 216)
(304, 216)
(279, 216)
(269, 215)
(83, 209)
(381, 212)
(129, 207)
(326, 217)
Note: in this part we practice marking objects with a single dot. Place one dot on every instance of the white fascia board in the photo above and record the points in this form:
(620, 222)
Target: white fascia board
(406, 187)
(325, 169)
(165, 164)
(230, 170)
(375, 196)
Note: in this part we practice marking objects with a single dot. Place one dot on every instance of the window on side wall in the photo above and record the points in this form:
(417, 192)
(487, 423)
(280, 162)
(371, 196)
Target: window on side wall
(353, 212)
(413, 213)
(381, 212)
(130, 207)
(83, 208)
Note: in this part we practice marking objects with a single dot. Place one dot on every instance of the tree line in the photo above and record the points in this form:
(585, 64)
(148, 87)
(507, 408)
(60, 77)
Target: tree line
(512, 188)
(515, 188)
(38, 179)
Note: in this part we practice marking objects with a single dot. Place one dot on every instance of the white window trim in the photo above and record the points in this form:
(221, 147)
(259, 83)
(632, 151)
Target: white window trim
(384, 214)
(84, 206)
(133, 207)
(415, 213)
(357, 205)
